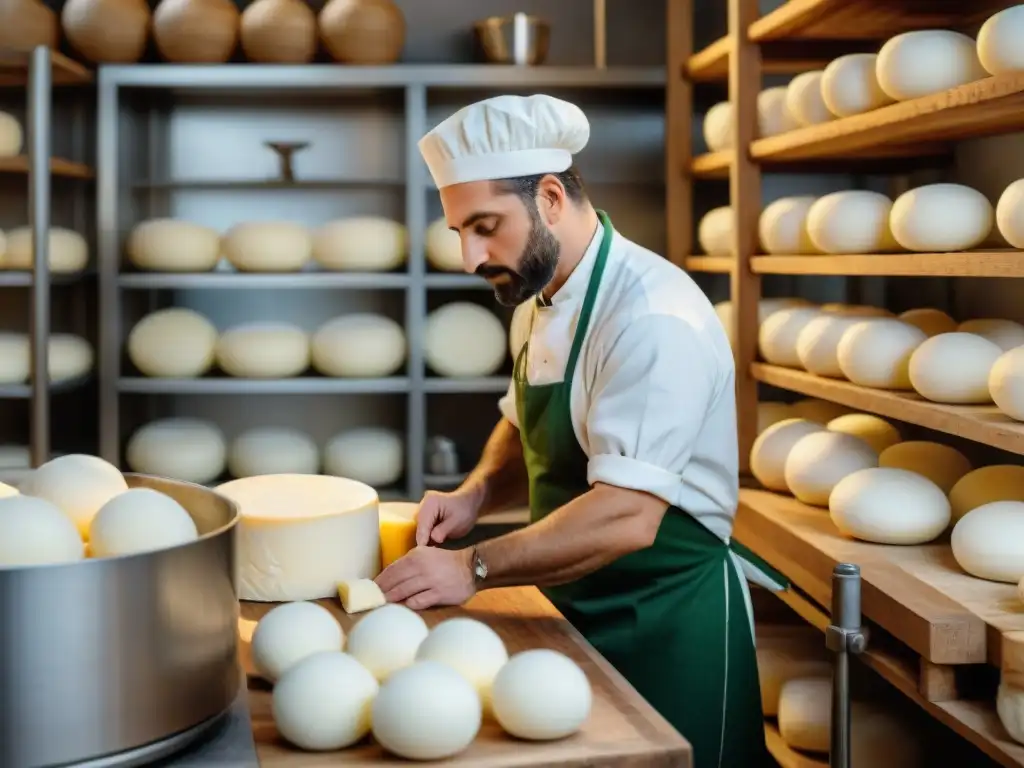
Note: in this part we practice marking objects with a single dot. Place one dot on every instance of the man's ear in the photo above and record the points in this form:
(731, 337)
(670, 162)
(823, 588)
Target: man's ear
(551, 199)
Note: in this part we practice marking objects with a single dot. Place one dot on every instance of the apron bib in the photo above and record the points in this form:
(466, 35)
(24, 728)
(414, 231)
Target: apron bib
(674, 618)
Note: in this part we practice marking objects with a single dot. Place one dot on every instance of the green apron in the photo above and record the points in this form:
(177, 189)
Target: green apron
(673, 618)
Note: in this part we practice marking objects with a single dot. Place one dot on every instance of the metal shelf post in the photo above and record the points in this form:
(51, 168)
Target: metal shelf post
(844, 637)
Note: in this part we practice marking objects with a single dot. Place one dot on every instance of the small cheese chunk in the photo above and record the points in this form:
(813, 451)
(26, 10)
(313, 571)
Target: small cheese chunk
(397, 530)
(358, 595)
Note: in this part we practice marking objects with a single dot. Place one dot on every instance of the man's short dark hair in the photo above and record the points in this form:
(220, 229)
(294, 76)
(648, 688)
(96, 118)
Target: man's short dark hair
(526, 186)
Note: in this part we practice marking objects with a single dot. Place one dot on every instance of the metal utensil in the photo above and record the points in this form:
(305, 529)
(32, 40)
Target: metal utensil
(442, 456)
(519, 39)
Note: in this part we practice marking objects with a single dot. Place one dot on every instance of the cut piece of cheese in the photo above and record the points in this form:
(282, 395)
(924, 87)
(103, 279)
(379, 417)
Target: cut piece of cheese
(358, 595)
(397, 530)
(299, 536)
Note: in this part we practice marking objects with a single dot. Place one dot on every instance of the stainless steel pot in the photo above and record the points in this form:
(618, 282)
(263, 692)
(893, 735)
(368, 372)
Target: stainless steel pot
(118, 661)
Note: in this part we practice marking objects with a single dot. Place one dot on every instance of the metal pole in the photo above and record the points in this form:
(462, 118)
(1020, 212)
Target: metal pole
(39, 95)
(843, 637)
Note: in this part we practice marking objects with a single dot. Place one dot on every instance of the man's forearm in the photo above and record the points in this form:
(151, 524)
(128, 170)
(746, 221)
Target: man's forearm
(499, 478)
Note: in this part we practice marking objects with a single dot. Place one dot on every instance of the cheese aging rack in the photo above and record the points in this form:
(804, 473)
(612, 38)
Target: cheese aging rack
(931, 626)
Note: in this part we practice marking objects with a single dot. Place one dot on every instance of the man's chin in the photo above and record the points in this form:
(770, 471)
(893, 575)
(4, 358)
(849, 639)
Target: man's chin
(511, 295)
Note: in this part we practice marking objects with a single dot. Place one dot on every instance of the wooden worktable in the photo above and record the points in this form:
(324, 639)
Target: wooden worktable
(623, 730)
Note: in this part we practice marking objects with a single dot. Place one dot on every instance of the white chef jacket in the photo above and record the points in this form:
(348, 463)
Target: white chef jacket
(653, 394)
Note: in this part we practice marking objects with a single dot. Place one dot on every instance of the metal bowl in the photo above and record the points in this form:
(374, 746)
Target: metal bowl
(516, 39)
(117, 661)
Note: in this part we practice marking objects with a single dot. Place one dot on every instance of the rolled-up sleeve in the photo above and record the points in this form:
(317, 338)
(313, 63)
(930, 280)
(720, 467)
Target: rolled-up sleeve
(507, 405)
(652, 389)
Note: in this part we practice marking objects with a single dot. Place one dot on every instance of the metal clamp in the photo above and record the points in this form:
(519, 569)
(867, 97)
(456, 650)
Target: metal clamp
(844, 637)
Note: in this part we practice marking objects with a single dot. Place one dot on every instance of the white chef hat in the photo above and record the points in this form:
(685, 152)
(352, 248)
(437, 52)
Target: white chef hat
(505, 137)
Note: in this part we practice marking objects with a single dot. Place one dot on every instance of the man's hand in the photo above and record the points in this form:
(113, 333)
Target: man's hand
(444, 516)
(429, 576)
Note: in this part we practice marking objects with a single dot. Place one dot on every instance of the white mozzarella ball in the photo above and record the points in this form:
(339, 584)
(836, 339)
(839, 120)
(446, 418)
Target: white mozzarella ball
(772, 447)
(817, 345)
(264, 351)
(1010, 213)
(718, 123)
(941, 464)
(35, 532)
(291, 632)
(140, 520)
(444, 247)
(362, 345)
(68, 250)
(371, 455)
(324, 702)
(273, 451)
(12, 138)
(999, 482)
(875, 431)
(361, 244)
(778, 336)
(1005, 334)
(927, 61)
(999, 48)
(849, 85)
(1006, 383)
(876, 353)
(804, 100)
(76, 484)
(170, 245)
(463, 339)
(193, 450)
(940, 218)
(268, 246)
(853, 221)
(988, 542)
(386, 640)
(173, 343)
(954, 368)
(889, 506)
(471, 648)
(818, 461)
(773, 115)
(715, 231)
(931, 321)
(541, 695)
(782, 227)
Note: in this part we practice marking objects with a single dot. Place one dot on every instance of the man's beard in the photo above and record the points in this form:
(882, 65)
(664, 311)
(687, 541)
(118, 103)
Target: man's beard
(535, 269)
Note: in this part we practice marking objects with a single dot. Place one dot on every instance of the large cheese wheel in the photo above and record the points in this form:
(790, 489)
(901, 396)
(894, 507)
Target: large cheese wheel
(173, 343)
(1010, 708)
(463, 339)
(817, 410)
(772, 447)
(715, 231)
(875, 431)
(140, 520)
(1010, 214)
(954, 368)
(1006, 383)
(263, 351)
(931, 321)
(193, 450)
(772, 413)
(300, 535)
(171, 245)
(370, 455)
(443, 247)
(782, 659)
(999, 482)
(68, 250)
(361, 244)
(778, 337)
(820, 460)
(941, 464)
(782, 227)
(1005, 334)
(273, 451)
(988, 542)
(923, 62)
(12, 138)
(855, 221)
(817, 345)
(268, 246)
(804, 101)
(362, 345)
(849, 85)
(718, 126)
(35, 532)
(773, 115)
(940, 218)
(889, 506)
(876, 353)
(998, 45)
(77, 484)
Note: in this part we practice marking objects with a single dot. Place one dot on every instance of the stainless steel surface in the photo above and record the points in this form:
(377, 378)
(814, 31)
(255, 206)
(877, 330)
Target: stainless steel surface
(108, 259)
(107, 655)
(442, 456)
(519, 39)
(416, 220)
(228, 744)
(843, 637)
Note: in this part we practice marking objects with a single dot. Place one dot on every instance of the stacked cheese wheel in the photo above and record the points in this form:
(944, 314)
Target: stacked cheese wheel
(464, 340)
(68, 250)
(68, 357)
(12, 137)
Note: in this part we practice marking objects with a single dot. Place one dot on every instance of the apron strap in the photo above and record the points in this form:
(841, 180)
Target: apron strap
(757, 570)
(591, 298)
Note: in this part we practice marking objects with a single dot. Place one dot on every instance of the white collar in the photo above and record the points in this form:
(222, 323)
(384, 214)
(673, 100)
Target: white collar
(575, 286)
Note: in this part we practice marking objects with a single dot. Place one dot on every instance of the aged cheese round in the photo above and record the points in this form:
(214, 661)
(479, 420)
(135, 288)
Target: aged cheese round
(1010, 708)
(1006, 334)
(426, 712)
(264, 351)
(444, 247)
(541, 695)
(1006, 383)
(324, 702)
(387, 638)
(782, 227)
(69, 357)
(463, 339)
(998, 45)
(779, 334)
(805, 708)
(68, 250)
(371, 455)
(76, 484)
(999, 482)
(718, 126)
(471, 648)
(15, 357)
(273, 451)
(172, 245)
(855, 310)
(889, 506)
(954, 368)
(931, 321)
(397, 530)
(876, 353)
(988, 542)
(818, 461)
(362, 345)
(289, 633)
(818, 411)
(875, 431)
(772, 413)
(361, 244)
(765, 308)
(941, 464)
(715, 231)
(173, 343)
(940, 218)
(1010, 214)
(849, 85)
(817, 345)
(923, 62)
(35, 532)
(299, 535)
(854, 221)
(12, 138)
(193, 450)
(772, 447)
(804, 100)
(268, 246)
(773, 115)
(139, 520)
(779, 664)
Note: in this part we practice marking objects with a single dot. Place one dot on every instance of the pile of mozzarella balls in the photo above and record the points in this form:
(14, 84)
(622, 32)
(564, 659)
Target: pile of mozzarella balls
(79, 506)
(422, 693)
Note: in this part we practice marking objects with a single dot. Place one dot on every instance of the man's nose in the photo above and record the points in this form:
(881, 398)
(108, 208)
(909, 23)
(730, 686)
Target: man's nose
(473, 256)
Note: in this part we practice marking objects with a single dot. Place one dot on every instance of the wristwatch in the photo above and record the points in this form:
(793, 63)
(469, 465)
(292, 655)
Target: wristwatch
(479, 567)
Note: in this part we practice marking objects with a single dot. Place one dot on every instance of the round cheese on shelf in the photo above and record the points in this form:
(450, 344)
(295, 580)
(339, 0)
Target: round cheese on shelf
(370, 455)
(820, 460)
(772, 413)
(931, 321)
(988, 542)
(773, 115)
(139, 520)
(35, 532)
(12, 138)
(1010, 214)
(171, 245)
(889, 506)
(849, 85)
(299, 535)
(1005, 334)
(998, 482)
(765, 308)
(805, 709)
(876, 353)
(324, 702)
(68, 250)
(854, 221)
(463, 339)
(264, 351)
(941, 464)
(927, 61)
(173, 343)
(290, 633)
(361, 244)
(782, 227)
(772, 447)
(778, 664)
(817, 345)
(76, 484)
(193, 450)
(1010, 708)
(855, 310)
(426, 712)
(998, 45)
(875, 431)
(718, 124)
(778, 336)
(541, 695)
(268, 246)
(941, 218)
(69, 357)
(387, 638)
(397, 530)
(818, 411)
(715, 230)
(954, 368)
(444, 247)
(273, 451)
(362, 345)
(471, 648)
(804, 100)
(1006, 383)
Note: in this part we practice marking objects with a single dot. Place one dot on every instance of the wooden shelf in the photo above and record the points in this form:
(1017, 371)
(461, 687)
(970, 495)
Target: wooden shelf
(778, 58)
(717, 264)
(879, 160)
(58, 167)
(988, 263)
(14, 67)
(784, 755)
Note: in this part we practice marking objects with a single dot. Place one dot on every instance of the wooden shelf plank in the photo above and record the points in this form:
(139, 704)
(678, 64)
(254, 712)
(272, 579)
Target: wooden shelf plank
(882, 160)
(718, 264)
(14, 67)
(988, 263)
(58, 167)
(980, 423)
(784, 755)
(786, 57)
